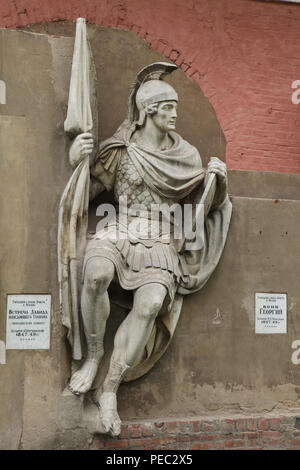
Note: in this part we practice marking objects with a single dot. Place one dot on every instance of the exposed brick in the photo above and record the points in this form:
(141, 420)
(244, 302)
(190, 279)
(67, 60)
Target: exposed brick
(270, 434)
(263, 424)
(220, 445)
(251, 424)
(201, 446)
(166, 440)
(241, 425)
(275, 424)
(184, 446)
(238, 443)
(196, 426)
(230, 436)
(117, 444)
(274, 443)
(259, 439)
(135, 430)
(124, 432)
(183, 438)
(171, 426)
(185, 427)
(140, 442)
(252, 443)
(156, 441)
(207, 437)
(171, 446)
(207, 427)
(147, 430)
(229, 444)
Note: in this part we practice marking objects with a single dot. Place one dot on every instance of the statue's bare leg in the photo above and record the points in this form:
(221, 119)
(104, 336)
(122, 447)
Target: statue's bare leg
(130, 341)
(95, 310)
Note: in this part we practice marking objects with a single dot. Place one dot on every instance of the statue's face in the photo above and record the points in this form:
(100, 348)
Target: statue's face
(165, 117)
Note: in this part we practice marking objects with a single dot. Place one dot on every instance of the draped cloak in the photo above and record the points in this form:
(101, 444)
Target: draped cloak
(175, 174)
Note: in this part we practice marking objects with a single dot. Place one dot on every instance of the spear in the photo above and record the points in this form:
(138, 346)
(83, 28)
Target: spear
(73, 209)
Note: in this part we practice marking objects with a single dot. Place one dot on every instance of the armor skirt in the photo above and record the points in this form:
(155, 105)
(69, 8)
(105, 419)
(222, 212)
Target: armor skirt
(140, 262)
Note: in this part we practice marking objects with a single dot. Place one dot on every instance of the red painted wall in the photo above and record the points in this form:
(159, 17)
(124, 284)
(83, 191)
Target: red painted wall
(244, 54)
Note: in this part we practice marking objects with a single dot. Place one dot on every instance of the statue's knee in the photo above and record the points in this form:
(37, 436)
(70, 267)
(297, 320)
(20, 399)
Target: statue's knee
(99, 275)
(150, 307)
(97, 281)
(156, 304)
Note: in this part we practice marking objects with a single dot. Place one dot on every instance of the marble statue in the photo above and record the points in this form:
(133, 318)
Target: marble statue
(147, 163)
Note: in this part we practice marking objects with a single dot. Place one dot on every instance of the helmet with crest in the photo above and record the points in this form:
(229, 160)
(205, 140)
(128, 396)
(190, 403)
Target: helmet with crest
(149, 88)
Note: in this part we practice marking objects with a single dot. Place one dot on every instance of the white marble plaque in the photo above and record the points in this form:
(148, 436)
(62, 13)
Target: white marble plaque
(270, 313)
(28, 321)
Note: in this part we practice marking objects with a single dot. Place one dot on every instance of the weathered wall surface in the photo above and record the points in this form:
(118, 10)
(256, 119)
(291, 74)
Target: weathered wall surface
(216, 361)
(244, 54)
(12, 273)
(216, 364)
(33, 170)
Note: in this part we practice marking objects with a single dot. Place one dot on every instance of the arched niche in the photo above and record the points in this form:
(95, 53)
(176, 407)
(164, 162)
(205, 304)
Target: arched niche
(118, 56)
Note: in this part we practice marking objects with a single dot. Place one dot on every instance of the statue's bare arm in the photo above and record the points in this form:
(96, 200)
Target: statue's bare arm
(81, 147)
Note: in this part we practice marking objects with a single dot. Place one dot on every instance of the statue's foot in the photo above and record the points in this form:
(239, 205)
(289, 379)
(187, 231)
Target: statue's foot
(109, 414)
(82, 380)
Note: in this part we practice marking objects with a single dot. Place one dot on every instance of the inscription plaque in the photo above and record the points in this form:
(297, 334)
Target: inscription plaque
(28, 321)
(270, 313)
